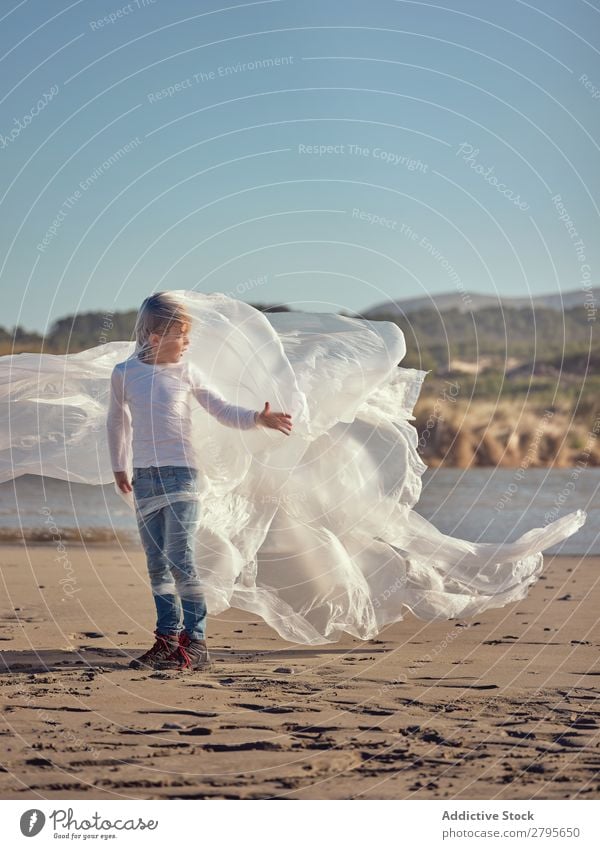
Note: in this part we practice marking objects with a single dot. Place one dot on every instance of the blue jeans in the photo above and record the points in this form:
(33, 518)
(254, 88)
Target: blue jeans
(168, 537)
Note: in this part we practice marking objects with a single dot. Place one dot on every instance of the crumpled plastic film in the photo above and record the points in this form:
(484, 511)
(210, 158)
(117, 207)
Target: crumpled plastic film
(315, 532)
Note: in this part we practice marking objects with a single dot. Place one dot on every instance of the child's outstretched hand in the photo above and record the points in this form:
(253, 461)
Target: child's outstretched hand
(122, 479)
(278, 421)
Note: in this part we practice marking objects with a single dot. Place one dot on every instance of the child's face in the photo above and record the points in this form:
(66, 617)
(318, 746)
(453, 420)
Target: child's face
(170, 346)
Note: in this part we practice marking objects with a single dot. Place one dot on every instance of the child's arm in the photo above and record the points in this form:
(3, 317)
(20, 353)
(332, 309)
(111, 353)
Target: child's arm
(217, 406)
(118, 425)
(232, 416)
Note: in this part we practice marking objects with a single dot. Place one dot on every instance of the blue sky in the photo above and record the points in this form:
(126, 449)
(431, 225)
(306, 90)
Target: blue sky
(329, 155)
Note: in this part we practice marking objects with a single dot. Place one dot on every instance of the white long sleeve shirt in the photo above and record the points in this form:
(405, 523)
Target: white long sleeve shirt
(149, 418)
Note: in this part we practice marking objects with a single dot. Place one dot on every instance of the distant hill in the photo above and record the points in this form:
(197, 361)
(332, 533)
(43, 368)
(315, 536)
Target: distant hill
(511, 365)
(492, 337)
(472, 302)
(85, 330)
(509, 339)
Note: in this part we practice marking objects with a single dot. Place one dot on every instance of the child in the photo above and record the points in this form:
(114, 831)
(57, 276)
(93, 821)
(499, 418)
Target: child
(150, 414)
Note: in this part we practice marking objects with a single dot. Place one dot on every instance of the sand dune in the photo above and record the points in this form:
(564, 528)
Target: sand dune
(483, 433)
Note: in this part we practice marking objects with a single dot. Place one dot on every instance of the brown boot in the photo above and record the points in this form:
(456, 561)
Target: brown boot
(163, 648)
(189, 656)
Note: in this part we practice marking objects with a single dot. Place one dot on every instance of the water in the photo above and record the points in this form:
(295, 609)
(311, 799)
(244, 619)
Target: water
(35, 506)
(465, 504)
(496, 505)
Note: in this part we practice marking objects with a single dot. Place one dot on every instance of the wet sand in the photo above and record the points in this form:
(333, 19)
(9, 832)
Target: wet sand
(504, 706)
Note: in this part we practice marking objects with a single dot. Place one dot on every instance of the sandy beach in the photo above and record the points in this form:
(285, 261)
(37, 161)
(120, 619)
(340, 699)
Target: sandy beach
(504, 706)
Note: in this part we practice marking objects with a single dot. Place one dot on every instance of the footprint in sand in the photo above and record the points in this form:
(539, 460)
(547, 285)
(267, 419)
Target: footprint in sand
(87, 635)
(21, 614)
(266, 708)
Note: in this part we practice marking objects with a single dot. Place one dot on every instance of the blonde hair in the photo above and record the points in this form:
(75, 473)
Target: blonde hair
(156, 314)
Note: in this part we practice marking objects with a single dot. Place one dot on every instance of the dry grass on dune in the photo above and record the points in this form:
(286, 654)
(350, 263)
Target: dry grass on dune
(459, 434)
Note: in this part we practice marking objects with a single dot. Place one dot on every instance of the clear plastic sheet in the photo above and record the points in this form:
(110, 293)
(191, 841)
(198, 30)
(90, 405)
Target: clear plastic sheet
(315, 532)
(165, 493)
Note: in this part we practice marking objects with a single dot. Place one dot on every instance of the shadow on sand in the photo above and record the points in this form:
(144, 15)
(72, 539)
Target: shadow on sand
(56, 660)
